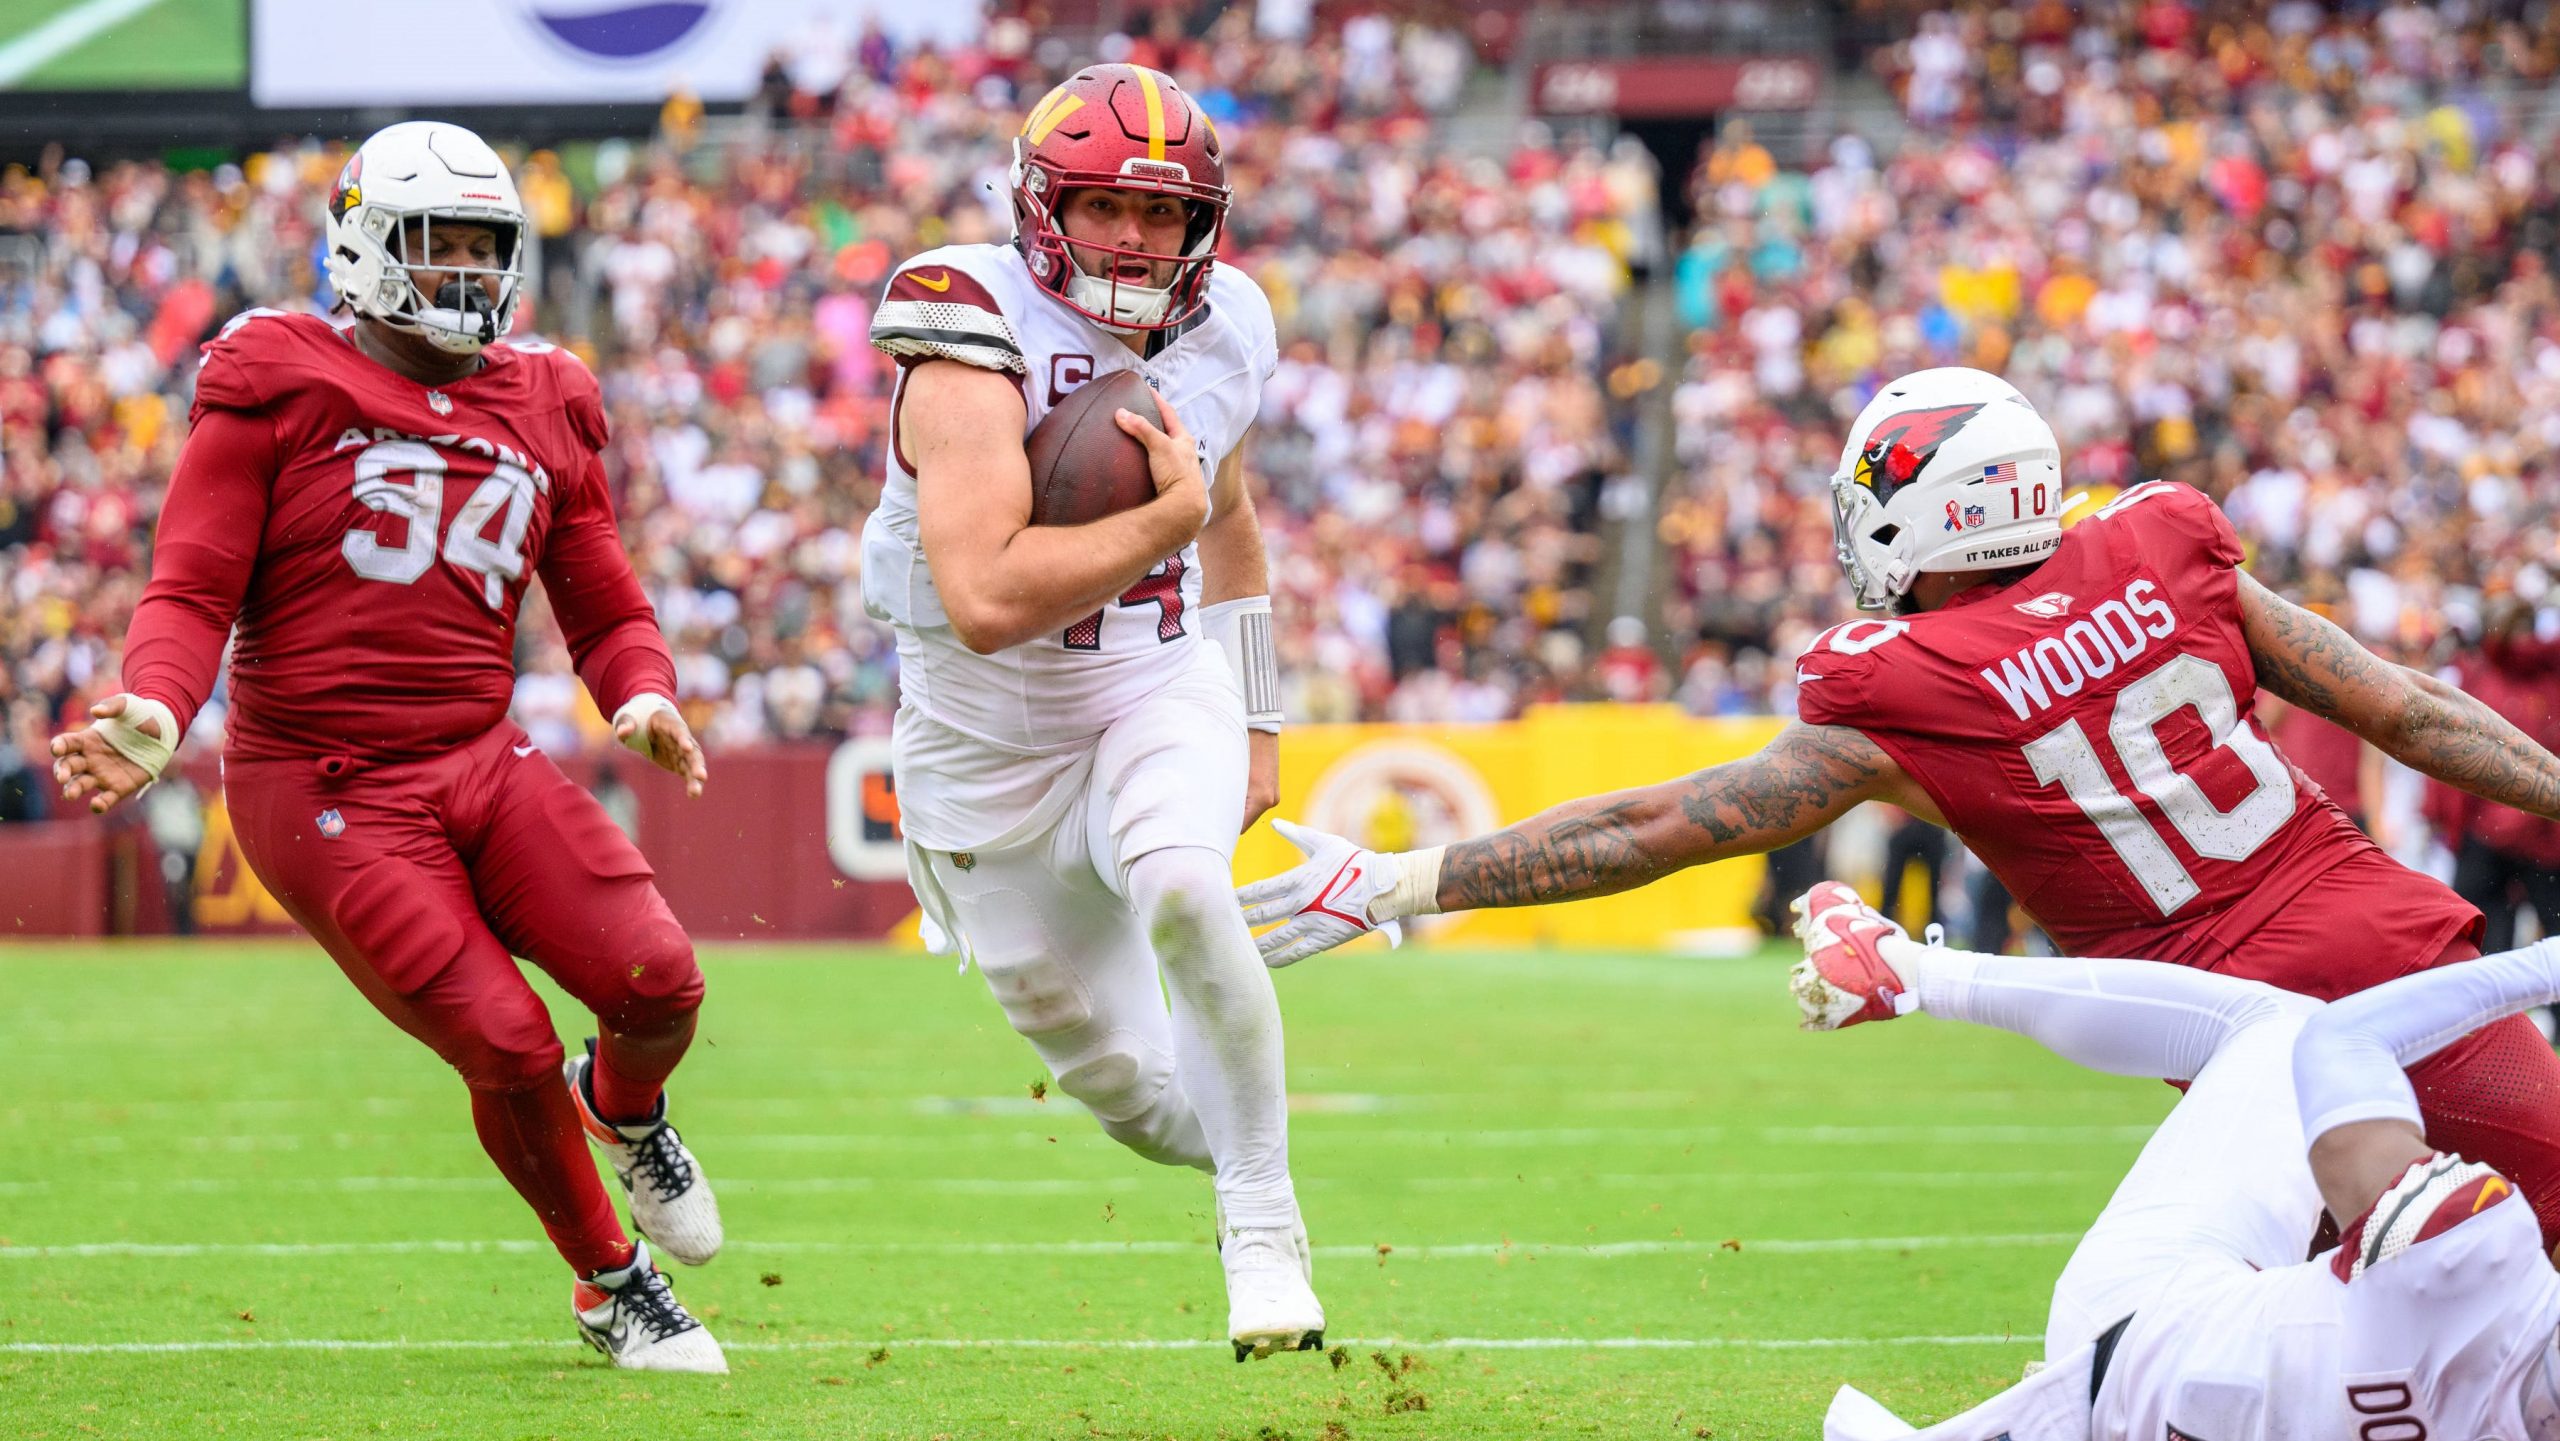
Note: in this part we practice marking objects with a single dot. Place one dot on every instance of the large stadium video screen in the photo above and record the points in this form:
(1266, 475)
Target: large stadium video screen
(535, 52)
(123, 45)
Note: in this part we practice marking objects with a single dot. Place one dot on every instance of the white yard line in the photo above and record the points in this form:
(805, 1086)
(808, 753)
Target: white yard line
(1097, 1185)
(1602, 1250)
(1043, 1343)
(63, 34)
(1074, 1127)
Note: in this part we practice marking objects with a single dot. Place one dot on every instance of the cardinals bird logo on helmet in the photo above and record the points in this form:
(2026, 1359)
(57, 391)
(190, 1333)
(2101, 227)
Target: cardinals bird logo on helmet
(1903, 444)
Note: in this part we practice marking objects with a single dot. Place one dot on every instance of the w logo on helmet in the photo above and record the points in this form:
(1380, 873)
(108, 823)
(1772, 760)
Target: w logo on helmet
(1903, 443)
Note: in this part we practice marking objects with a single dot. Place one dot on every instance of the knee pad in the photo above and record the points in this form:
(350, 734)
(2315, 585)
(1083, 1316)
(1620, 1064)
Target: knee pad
(661, 980)
(1178, 892)
(1119, 1080)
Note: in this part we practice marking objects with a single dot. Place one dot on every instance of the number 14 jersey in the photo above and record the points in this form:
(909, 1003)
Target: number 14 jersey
(2089, 732)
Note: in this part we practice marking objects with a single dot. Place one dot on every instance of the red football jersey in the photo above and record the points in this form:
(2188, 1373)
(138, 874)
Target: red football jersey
(2090, 732)
(371, 537)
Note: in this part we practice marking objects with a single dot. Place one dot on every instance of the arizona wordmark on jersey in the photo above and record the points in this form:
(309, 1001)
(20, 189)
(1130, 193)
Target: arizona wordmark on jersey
(978, 305)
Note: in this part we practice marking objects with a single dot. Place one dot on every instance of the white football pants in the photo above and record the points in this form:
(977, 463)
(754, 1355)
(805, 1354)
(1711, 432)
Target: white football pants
(2225, 1183)
(1083, 930)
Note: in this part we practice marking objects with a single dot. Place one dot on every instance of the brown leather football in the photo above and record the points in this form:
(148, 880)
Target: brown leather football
(1083, 465)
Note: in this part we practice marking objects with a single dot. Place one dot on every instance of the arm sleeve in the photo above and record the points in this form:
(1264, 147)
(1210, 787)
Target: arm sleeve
(2126, 1018)
(2349, 1064)
(604, 615)
(201, 560)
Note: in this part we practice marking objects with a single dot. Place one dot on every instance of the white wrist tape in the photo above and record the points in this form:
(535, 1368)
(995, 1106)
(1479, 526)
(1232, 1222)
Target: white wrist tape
(125, 733)
(637, 710)
(1417, 887)
(1242, 628)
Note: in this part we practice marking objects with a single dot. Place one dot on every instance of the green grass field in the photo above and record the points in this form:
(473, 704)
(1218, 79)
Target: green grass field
(1554, 1194)
(133, 45)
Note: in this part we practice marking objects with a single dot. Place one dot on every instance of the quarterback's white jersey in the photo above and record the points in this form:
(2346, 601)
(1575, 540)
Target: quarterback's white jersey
(2449, 1338)
(978, 728)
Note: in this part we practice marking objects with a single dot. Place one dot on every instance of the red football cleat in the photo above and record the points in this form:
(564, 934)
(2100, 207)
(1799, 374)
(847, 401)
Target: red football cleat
(1844, 977)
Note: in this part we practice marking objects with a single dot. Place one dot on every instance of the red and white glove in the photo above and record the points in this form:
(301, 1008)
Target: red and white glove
(1340, 892)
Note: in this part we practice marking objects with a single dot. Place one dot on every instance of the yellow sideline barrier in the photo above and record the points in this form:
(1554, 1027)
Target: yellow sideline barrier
(1395, 787)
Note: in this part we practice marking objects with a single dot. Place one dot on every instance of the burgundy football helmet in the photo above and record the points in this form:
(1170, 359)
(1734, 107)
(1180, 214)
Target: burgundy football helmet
(1123, 127)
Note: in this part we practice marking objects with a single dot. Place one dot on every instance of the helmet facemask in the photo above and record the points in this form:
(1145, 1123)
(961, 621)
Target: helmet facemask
(460, 317)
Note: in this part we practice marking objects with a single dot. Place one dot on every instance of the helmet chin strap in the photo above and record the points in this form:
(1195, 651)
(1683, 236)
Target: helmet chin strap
(1101, 297)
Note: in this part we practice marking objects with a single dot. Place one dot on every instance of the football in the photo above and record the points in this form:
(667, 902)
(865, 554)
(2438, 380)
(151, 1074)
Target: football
(1083, 465)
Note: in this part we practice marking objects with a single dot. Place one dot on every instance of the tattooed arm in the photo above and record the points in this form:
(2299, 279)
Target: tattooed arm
(1807, 778)
(2408, 715)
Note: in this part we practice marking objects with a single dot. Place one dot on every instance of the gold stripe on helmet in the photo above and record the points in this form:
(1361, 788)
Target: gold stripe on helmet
(1050, 113)
(1155, 112)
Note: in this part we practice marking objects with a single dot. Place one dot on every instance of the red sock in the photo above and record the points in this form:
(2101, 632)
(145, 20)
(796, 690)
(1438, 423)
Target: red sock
(2494, 1097)
(534, 1136)
(632, 1067)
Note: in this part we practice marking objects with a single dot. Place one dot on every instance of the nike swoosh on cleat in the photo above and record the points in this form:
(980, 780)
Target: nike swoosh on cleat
(943, 284)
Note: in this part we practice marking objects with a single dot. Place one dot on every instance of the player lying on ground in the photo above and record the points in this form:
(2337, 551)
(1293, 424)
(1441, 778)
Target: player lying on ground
(2077, 706)
(2188, 1311)
(1074, 764)
(365, 506)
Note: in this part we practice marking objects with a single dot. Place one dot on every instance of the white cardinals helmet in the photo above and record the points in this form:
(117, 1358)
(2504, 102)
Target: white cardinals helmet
(428, 172)
(1946, 470)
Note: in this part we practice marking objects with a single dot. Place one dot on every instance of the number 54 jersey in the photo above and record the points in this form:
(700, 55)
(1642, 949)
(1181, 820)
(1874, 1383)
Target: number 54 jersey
(2089, 732)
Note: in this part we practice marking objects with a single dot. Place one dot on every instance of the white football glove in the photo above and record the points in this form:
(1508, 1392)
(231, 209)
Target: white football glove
(1340, 892)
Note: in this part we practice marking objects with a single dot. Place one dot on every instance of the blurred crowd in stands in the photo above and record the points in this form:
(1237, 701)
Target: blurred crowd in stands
(2296, 255)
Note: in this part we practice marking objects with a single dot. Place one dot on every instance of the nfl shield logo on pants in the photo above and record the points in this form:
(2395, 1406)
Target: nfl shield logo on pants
(332, 824)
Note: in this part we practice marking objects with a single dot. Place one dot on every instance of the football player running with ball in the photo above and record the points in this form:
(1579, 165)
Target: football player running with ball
(1074, 762)
(2188, 1309)
(2078, 707)
(364, 506)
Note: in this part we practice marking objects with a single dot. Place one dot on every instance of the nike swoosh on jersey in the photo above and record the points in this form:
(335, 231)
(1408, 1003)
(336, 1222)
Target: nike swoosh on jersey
(524, 750)
(1803, 676)
(943, 284)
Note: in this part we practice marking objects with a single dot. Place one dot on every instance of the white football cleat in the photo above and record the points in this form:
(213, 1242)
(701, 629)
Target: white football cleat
(633, 1317)
(671, 1201)
(1844, 978)
(1271, 1305)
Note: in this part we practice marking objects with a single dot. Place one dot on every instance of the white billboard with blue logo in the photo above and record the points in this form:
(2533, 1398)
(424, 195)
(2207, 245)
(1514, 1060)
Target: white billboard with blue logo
(542, 52)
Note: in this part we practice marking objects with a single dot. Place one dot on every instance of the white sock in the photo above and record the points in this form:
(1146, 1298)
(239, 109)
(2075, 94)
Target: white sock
(2349, 1065)
(1228, 1056)
(2126, 1018)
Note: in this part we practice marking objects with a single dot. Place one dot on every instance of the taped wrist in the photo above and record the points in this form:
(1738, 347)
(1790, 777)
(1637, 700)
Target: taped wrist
(1417, 888)
(637, 710)
(1242, 628)
(125, 733)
